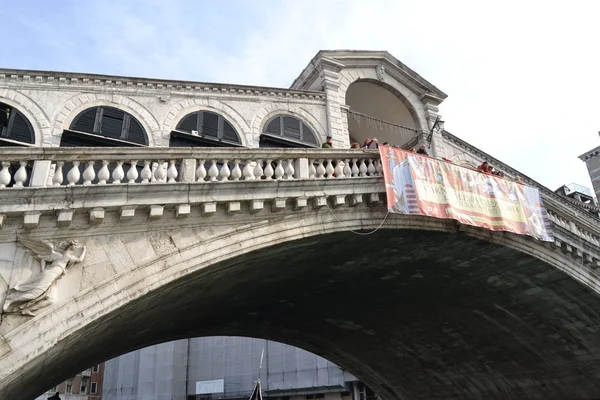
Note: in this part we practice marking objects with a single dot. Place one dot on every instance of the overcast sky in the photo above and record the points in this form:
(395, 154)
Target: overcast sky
(522, 77)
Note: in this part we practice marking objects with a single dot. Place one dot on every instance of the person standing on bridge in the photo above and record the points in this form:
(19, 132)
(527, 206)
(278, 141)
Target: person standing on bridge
(328, 144)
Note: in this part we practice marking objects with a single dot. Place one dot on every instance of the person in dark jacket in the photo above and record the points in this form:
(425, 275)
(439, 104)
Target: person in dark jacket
(55, 397)
(328, 144)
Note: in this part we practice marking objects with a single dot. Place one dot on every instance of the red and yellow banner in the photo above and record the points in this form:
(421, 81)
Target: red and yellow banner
(421, 185)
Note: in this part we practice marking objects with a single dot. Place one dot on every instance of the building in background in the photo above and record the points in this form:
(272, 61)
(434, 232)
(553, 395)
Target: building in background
(592, 161)
(227, 368)
(84, 386)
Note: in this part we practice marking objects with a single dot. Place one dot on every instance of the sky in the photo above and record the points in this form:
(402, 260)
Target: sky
(522, 77)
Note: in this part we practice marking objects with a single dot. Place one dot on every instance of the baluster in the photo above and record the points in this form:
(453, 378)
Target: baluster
(379, 168)
(279, 171)
(347, 169)
(57, 179)
(132, 174)
(311, 169)
(236, 172)
(355, 170)
(21, 174)
(89, 174)
(146, 172)
(363, 168)
(213, 171)
(289, 169)
(118, 174)
(103, 174)
(339, 169)
(269, 170)
(258, 170)
(160, 173)
(371, 167)
(248, 171)
(172, 172)
(329, 169)
(225, 172)
(5, 174)
(200, 171)
(320, 170)
(73, 175)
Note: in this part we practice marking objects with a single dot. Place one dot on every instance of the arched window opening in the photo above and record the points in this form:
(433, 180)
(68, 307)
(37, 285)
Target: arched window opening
(104, 126)
(287, 131)
(204, 129)
(15, 128)
(378, 111)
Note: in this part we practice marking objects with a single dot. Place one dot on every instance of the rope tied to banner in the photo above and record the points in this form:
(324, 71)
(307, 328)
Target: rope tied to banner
(343, 224)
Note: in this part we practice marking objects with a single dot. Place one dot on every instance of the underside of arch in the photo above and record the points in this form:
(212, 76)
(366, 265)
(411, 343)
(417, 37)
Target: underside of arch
(413, 314)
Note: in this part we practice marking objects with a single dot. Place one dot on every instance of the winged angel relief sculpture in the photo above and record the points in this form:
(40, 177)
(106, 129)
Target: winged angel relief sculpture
(39, 290)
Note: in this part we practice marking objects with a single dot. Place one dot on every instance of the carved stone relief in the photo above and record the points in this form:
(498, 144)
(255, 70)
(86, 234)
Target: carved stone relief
(39, 290)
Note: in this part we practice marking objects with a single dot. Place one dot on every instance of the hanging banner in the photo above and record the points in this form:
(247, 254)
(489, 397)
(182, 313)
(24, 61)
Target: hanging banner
(421, 185)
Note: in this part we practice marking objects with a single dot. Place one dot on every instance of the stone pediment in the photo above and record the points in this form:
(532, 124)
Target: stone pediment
(348, 59)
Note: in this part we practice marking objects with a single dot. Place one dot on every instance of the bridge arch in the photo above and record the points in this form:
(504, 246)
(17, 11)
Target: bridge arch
(402, 92)
(270, 265)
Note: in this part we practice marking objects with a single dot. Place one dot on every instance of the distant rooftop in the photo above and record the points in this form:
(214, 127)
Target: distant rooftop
(574, 187)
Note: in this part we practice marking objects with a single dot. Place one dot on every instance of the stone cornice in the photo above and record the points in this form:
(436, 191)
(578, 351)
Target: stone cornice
(49, 79)
(590, 154)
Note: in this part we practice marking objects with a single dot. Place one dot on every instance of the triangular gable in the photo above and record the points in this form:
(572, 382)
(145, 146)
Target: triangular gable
(361, 59)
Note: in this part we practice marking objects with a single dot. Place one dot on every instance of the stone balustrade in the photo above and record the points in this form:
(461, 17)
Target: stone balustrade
(101, 166)
(50, 169)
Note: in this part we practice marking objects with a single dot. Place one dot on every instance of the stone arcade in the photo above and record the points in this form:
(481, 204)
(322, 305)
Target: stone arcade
(210, 210)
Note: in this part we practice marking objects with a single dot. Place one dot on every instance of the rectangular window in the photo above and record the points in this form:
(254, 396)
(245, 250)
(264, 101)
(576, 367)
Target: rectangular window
(69, 388)
(93, 388)
(83, 386)
(96, 368)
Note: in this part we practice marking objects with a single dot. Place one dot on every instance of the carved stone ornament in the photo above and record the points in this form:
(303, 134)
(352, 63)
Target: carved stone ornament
(381, 73)
(39, 290)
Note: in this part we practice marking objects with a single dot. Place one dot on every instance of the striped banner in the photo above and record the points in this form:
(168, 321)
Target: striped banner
(421, 185)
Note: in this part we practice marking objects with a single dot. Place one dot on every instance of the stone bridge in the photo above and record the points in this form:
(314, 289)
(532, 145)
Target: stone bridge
(293, 245)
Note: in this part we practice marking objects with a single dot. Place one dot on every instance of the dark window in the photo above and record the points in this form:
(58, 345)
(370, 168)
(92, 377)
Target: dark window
(69, 387)
(96, 368)
(107, 122)
(287, 131)
(93, 388)
(205, 129)
(14, 127)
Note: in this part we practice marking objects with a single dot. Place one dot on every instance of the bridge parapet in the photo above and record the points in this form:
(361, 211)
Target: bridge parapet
(41, 181)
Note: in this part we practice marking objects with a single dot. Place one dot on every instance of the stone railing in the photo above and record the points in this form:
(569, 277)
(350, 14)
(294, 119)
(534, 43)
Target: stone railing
(101, 166)
(138, 168)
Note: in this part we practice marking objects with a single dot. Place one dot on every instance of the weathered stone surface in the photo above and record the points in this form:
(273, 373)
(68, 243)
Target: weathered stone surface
(427, 313)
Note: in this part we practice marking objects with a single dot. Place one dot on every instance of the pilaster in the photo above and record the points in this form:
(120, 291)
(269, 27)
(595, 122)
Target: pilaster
(330, 83)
